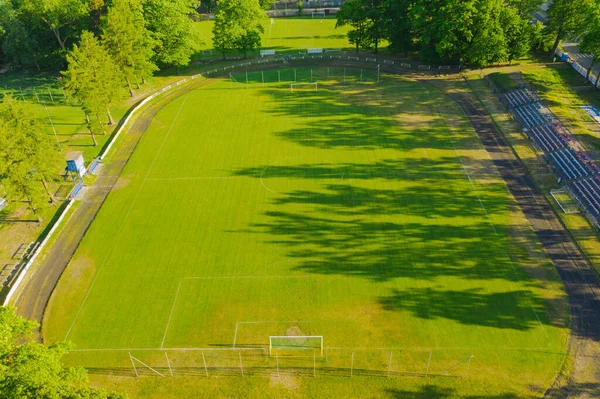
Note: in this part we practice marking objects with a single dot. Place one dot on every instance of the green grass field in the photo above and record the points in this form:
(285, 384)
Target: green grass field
(291, 34)
(368, 214)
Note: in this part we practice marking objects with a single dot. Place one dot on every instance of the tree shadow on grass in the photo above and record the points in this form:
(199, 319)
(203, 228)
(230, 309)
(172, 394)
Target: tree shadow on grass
(435, 392)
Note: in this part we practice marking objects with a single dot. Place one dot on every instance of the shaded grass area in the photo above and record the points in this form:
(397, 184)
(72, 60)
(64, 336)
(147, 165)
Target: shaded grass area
(373, 207)
(64, 120)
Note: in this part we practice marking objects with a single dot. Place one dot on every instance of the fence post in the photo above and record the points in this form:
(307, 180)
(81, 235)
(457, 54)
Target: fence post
(169, 364)
(241, 365)
(468, 364)
(390, 365)
(204, 361)
(133, 363)
(428, 363)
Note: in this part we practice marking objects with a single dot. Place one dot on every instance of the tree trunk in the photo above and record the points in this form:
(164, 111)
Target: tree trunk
(556, 42)
(35, 60)
(110, 119)
(87, 118)
(376, 45)
(597, 79)
(60, 41)
(37, 217)
(48, 191)
(357, 49)
(129, 87)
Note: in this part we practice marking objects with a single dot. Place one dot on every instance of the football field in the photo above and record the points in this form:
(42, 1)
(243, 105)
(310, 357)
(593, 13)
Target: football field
(367, 214)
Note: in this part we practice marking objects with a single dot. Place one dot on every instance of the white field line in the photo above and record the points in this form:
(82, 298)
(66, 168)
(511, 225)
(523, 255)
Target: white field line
(495, 232)
(244, 277)
(194, 178)
(162, 344)
(133, 203)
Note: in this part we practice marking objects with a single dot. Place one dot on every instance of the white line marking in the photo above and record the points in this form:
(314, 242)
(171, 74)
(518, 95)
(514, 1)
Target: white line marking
(235, 335)
(109, 252)
(171, 314)
(194, 178)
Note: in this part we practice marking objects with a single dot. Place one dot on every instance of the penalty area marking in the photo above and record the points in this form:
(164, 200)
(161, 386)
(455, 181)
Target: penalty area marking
(216, 278)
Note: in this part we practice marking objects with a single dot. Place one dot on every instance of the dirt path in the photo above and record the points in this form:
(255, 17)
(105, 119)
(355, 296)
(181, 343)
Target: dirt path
(580, 280)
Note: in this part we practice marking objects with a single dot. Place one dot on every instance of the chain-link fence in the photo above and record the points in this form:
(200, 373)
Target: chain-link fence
(207, 362)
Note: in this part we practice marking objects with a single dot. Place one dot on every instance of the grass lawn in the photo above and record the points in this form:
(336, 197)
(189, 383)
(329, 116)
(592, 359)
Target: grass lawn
(368, 214)
(288, 35)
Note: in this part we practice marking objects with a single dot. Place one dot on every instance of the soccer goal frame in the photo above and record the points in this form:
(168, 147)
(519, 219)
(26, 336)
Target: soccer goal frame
(282, 344)
(206, 52)
(298, 85)
(318, 13)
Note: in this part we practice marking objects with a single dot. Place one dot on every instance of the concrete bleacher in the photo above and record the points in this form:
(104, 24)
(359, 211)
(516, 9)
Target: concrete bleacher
(517, 98)
(547, 138)
(588, 193)
(568, 164)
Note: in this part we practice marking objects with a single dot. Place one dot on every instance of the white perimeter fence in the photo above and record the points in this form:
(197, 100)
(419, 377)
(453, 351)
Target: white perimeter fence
(579, 68)
(211, 362)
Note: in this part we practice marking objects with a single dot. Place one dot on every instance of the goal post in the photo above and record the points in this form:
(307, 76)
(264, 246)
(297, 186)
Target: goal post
(318, 14)
(304, 86)
(290, 345)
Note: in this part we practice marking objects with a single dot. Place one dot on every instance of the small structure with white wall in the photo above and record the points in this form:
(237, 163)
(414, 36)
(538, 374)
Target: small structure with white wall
(3, 203)
(75, 164)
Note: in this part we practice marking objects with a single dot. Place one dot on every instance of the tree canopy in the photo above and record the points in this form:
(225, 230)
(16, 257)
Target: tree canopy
(31, 370)
(29, 157)
(238, 25)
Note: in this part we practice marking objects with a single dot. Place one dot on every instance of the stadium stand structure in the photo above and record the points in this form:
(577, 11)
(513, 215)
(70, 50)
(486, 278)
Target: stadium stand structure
(550, 136)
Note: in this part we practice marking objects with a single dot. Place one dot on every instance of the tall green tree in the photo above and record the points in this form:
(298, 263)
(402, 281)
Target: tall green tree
(376, 14)
(172, 29)
(590, 44)
(354, 14)
(29, 157)
(30, 370)
(128, 41)
(524, 8)
(517, 33)
(567, 18)
(92, 78)
(398, 25)
(61, 17)
(238, 25)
